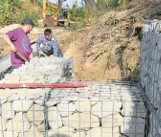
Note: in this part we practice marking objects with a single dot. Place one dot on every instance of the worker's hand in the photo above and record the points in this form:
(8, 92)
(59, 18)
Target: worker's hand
(42, 53)
(7, 39)
(13, 49)
(31, 56)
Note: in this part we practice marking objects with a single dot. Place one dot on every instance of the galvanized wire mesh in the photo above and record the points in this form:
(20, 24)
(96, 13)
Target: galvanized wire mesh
(150, 74)
(99, 110)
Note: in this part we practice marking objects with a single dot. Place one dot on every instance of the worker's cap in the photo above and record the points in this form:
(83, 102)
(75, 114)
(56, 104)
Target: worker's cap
(28, 21)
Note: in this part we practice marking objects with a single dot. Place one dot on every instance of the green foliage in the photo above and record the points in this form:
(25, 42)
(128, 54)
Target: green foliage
(101, 4)
(7, 10)
(77, 14)
(77, 25)
(17, 3)
(29, 14)
(80, 17)
(4, 6)
(12, 11)
(38, 2)
(123, 2)
(113, 4)
(4, 11)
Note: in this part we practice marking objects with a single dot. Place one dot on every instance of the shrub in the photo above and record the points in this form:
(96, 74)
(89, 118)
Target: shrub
(77, 14)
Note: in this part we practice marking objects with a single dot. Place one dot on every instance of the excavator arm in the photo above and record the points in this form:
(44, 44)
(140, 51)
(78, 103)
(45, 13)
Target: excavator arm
(57, 9)
(52, 5)
(44, 9)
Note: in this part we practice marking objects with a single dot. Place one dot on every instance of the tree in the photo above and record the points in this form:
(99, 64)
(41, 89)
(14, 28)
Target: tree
(91, 5)
(60, 2)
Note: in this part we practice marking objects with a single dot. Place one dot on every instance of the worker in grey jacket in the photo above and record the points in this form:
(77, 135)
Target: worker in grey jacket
(47, 45)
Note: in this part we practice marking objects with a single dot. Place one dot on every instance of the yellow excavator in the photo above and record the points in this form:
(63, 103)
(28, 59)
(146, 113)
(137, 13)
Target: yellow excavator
(61, 15)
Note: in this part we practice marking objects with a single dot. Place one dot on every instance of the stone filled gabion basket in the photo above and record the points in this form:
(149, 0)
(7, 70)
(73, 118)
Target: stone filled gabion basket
(91, 111)
(42, 70)
(98, 110)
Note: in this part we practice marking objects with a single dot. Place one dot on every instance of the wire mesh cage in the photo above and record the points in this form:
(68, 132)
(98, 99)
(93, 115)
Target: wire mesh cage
(150, 74)
(99, 110)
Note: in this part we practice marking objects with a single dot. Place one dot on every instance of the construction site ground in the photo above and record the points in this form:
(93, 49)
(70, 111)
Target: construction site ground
(72, 44)
(107, 48)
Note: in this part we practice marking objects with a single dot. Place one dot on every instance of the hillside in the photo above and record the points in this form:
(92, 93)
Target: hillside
(108, 49)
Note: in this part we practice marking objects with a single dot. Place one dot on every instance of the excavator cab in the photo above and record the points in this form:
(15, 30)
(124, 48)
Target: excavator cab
(63, 14)
(64, 17)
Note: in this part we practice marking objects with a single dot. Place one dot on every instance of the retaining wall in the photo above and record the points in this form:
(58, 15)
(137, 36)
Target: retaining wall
(114, 109)
(150, 74)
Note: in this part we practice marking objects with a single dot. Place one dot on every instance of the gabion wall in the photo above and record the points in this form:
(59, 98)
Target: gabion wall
(99, 110)
(114, 109)
(150, 74)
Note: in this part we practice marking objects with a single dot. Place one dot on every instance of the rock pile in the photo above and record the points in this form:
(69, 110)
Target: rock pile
(54, 70)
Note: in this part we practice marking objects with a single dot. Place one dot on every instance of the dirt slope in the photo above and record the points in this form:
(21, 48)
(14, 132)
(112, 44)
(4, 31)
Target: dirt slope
(110, 48)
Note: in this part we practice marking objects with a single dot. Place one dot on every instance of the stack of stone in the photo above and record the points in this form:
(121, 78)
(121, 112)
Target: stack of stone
(91, 111)
(42, 70)
(99, 110)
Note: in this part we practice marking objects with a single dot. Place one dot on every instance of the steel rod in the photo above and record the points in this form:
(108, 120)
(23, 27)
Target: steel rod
(42, 85)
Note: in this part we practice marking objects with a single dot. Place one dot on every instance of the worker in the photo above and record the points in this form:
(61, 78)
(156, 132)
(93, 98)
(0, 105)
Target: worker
(47, 45)
(19, 42)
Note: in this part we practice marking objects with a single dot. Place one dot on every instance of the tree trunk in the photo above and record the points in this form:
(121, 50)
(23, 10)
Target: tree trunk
(91, 5)
(60, 3)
